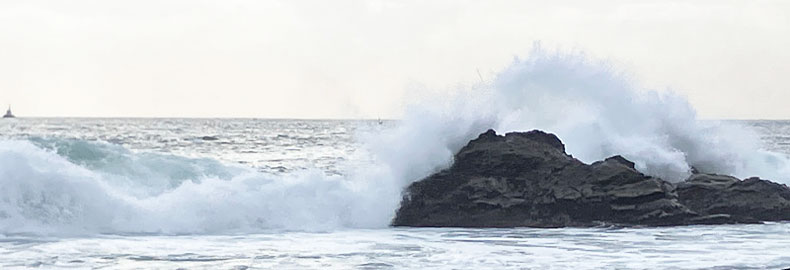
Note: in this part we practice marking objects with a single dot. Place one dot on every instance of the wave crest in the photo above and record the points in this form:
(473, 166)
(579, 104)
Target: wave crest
(46, 193)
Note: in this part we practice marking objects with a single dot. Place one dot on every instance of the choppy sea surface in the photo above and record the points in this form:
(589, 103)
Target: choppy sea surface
(205, 194)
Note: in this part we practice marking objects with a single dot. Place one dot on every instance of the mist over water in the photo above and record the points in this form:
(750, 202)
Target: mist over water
(63, 185)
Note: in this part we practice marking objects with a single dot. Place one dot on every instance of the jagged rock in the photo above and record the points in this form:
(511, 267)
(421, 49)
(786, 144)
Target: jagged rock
(750, 200)
(527, 180)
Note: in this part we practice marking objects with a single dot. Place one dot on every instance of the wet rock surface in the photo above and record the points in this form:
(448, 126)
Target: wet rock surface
(749, 200)
(525, 179)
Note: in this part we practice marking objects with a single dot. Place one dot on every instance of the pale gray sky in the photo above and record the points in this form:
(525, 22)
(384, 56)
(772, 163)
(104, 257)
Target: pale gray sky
(349, 59)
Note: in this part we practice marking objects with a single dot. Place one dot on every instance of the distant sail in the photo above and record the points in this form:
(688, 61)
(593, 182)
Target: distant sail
(8, 113)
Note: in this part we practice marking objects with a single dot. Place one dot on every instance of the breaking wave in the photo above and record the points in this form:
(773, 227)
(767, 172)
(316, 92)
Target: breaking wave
(90, 187)
(63, 186)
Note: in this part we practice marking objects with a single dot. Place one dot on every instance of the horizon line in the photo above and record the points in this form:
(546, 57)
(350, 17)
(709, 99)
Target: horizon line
(312, 118)
(203, 117)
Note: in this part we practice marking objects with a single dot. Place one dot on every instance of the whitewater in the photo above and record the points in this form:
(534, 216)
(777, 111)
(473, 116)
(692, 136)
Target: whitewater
(293, 194)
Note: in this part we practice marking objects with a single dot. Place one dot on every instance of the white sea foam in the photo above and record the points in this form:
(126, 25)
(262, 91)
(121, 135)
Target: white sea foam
(681, 248)
(48, 194)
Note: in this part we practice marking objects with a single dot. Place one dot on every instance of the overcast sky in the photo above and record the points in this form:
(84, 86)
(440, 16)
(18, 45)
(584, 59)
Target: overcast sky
(350, 59)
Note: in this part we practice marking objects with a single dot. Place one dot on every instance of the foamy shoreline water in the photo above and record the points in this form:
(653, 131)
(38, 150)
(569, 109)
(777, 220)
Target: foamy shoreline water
(691, 247)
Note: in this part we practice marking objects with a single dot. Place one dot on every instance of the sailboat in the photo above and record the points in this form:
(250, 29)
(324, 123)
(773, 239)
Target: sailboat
(8, 113)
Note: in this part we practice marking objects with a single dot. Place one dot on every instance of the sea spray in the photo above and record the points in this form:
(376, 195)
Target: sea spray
(598, 112)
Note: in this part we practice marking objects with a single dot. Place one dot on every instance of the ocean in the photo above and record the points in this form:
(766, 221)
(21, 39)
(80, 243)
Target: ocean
(320, 194)
(116, 193)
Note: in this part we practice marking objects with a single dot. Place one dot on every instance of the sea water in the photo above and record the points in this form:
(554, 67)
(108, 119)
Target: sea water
(51, 229)
(320, 194)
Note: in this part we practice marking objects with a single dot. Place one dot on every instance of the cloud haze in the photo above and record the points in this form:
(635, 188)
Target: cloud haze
(349, 59)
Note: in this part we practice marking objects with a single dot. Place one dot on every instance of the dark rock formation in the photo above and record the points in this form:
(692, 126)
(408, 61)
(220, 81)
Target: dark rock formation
(750, 200)
(527, 179)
